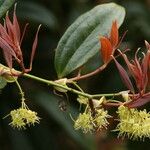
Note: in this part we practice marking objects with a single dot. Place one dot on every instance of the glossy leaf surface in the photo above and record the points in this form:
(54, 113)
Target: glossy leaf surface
(81, 40)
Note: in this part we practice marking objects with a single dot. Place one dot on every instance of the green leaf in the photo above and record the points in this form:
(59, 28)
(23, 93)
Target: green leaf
(3, 82)
(81, 40)
(5, 5)
(37, 13)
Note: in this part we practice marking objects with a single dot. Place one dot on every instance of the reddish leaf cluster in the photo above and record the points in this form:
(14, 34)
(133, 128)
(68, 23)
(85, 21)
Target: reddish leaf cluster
(110, 44)
(139, 70)
(11, 40)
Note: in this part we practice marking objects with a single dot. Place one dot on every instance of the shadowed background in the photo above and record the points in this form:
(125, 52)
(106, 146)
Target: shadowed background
(55, 130)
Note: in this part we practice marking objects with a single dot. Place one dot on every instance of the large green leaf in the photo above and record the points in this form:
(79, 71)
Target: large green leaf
(80, 41)
(5, 5)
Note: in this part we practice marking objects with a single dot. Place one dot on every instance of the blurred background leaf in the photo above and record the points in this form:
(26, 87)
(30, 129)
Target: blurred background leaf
(3, 83)
(35, 12)
(5, 5)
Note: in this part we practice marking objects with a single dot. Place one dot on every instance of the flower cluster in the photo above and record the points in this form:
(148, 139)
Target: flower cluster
(22, 117)
(101, 119)
(139, 70)
(133, 123)
(82, 100)
(84, 122)
(109, 44)
(88, 123)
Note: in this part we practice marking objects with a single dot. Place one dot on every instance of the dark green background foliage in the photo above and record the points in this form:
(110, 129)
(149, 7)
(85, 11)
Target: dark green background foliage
(56, 131)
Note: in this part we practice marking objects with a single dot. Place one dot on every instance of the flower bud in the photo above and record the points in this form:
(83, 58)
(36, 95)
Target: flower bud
(62, 82)
(82, 100)
(6, 73)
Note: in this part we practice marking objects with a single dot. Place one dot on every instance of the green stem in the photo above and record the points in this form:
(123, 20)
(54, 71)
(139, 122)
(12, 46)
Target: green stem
(23, 105)
(48, 82)
(76, 85)
(20, 89)
(57, 84)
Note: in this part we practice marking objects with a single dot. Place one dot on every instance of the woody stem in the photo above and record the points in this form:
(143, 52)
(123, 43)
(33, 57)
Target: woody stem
(77, 78)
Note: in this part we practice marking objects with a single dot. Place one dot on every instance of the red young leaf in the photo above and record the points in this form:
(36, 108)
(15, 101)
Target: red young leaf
(109, 45)
(145, 65)
(34, 46)
(5, 36)
(16, 26)
(106, 49)
(7, 48)
(114, 34)
(8, 59)
(9, 27)
(147, 45)
(10, 42)
(124, 76)
(142, 100)
(138, 70)
(23, 33)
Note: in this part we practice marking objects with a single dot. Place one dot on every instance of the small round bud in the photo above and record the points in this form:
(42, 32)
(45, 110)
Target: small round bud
(97, 103)
(61, 82)
(82, 100)
(125, 95)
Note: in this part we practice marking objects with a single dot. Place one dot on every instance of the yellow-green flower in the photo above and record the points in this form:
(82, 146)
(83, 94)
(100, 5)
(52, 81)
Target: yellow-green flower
(88, 123)
(101, 118)
(22, 117)
(133, 123)
(82, 100)
(84, 122)
(17, 120)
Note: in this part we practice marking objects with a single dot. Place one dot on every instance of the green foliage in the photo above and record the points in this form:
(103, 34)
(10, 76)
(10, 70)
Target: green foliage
(5, 5)
(3, 82)
(80, 41)
(37, 13)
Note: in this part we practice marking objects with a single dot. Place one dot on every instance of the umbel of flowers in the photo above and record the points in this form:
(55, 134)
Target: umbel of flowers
(22, 117)
(87, 123)
(94, 118)
(133, 123)
(10, 42)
